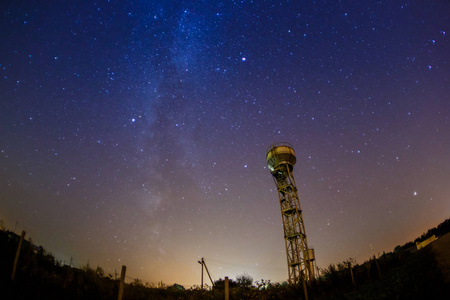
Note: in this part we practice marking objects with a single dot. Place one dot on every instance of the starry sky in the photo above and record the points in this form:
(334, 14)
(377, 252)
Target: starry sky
(135, 132)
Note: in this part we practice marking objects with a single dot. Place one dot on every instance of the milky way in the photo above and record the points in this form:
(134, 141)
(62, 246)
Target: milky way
(135, 133)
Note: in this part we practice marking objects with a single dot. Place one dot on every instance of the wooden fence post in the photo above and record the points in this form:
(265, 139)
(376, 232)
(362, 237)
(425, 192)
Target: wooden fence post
(378, 266)
(122, 279)
(16, 260)
(227, 289)
(351, 272)
(305, 291)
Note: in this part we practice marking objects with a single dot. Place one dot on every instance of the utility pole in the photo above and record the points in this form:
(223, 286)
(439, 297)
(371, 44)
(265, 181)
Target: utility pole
(202, 262)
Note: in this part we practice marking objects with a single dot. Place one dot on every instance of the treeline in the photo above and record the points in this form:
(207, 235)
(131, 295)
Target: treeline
(437, 231)
(40, 276)
(400, 274)
(404, 273)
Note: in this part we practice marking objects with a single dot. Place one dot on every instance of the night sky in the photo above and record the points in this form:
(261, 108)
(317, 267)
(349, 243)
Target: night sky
(135, 132)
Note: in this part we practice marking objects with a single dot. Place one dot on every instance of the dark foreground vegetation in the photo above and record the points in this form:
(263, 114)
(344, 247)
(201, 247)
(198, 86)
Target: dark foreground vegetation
(403, 274)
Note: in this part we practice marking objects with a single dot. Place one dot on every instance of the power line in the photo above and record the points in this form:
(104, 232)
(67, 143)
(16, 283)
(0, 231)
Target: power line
(245, 266)
(238, 268)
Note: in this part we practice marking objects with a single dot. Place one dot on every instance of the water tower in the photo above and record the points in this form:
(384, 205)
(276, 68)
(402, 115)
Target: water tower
(281, 160)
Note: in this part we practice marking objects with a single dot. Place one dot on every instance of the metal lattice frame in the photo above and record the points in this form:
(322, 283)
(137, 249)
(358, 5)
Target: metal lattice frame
(294, 228)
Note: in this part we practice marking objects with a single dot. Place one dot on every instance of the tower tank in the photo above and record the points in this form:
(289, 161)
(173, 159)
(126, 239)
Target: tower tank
(279, 154)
